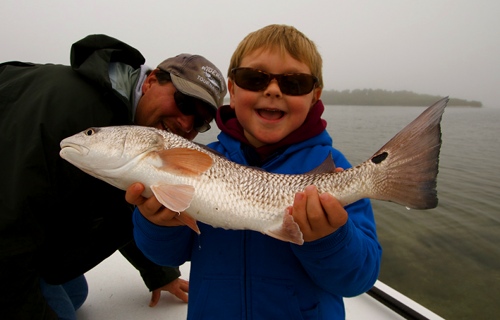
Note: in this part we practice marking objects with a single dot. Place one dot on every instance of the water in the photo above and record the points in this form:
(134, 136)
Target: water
(447, 258)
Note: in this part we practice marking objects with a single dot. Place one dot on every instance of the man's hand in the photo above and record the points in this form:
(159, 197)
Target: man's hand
(179, 288)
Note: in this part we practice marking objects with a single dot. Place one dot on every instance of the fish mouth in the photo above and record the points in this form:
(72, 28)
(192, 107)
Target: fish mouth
(68, 147)
(270, 114)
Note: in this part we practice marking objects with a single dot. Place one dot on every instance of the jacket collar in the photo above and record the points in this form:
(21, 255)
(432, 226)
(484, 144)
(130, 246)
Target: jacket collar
(312, 126)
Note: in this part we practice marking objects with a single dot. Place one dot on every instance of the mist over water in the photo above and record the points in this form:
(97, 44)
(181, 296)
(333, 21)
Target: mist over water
(447, 258)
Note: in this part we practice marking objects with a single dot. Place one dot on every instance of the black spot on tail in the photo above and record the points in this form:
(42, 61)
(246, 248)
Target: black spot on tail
(379, 157)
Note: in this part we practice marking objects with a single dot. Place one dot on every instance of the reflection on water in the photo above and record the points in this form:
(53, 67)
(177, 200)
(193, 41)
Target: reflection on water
(447, 258)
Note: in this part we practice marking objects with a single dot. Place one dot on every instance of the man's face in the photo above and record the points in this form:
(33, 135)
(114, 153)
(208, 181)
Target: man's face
(157, 108)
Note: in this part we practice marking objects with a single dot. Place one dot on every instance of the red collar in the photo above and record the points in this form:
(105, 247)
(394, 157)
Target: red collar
(312, 126)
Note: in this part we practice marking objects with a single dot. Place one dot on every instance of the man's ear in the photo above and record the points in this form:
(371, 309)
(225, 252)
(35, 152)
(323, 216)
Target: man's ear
(150, 79)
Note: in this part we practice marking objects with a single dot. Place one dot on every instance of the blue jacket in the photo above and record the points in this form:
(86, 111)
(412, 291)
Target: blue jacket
(247, 275)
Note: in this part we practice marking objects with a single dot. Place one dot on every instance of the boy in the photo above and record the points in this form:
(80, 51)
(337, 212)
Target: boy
(274, 122)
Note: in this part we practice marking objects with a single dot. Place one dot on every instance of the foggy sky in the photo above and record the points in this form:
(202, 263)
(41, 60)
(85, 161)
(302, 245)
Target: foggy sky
(439, 47)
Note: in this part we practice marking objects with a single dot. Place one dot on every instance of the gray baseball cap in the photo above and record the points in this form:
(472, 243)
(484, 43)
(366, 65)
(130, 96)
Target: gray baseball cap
(195, 76)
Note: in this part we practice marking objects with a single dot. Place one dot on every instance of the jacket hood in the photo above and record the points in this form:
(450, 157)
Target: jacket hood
(91, 56)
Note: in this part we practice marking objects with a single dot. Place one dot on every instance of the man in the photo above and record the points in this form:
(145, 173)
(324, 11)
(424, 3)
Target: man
(57, 222)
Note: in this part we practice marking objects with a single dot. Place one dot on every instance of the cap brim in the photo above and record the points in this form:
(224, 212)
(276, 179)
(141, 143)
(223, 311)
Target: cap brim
(193, 90)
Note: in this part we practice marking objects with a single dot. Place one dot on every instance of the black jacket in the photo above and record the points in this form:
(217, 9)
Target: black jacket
(56, 221)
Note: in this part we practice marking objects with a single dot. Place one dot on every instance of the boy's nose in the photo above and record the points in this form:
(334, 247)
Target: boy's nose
(273, 88)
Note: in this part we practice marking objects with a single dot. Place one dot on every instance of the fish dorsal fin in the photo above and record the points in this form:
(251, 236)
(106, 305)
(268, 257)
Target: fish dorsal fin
(177, 198)
(327, 166)
(185, 161)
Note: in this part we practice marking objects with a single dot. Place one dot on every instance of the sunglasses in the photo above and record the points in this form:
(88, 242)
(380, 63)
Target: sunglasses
(292, 84)
(187, 105)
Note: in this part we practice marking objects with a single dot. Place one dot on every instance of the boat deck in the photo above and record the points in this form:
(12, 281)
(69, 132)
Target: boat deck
(116, 291)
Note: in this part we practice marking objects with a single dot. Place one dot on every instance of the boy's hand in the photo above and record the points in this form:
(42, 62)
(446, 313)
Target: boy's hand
(317, 215)
(151, 208)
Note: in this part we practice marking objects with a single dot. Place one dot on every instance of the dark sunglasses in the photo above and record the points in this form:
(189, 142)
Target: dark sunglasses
(187, 105)
(293, 84)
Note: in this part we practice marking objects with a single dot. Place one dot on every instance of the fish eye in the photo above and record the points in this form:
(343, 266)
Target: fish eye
(89, 132)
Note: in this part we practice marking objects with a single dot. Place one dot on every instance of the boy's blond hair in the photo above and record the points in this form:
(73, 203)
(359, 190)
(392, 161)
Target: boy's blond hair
(285, 39)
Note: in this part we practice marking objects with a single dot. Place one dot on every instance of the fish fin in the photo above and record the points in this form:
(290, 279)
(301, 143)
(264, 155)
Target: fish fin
(288, 231)
(188, 221)
(175, 197)
(407, 165)
(185, 161)
(327, 166)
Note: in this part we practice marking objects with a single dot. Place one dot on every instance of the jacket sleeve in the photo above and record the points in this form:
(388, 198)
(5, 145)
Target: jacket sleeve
(349, 259)
(154, 276)
(166, 246)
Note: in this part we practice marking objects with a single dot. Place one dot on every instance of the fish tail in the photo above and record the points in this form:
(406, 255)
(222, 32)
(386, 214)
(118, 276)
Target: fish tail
(407, 165)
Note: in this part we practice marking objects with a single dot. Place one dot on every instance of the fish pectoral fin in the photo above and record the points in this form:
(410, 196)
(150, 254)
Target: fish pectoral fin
(175, 197)
(185, 161)
(288, 231)
(188, 221)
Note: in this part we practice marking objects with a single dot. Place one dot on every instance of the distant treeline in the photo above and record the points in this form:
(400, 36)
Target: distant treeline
(378, 97)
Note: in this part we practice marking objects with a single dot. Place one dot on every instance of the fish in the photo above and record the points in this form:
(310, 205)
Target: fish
(203, 185)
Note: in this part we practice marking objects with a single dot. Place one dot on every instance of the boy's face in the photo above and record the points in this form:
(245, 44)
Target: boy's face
(268, 116)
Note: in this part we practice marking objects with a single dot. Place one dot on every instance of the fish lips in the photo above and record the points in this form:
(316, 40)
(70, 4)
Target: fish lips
(68, 149)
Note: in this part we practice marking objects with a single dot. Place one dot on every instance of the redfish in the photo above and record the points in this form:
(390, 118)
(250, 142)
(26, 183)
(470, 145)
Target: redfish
(190, 178)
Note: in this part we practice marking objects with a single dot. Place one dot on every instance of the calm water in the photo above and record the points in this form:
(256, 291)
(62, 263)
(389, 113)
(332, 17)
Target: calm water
(448, 258)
